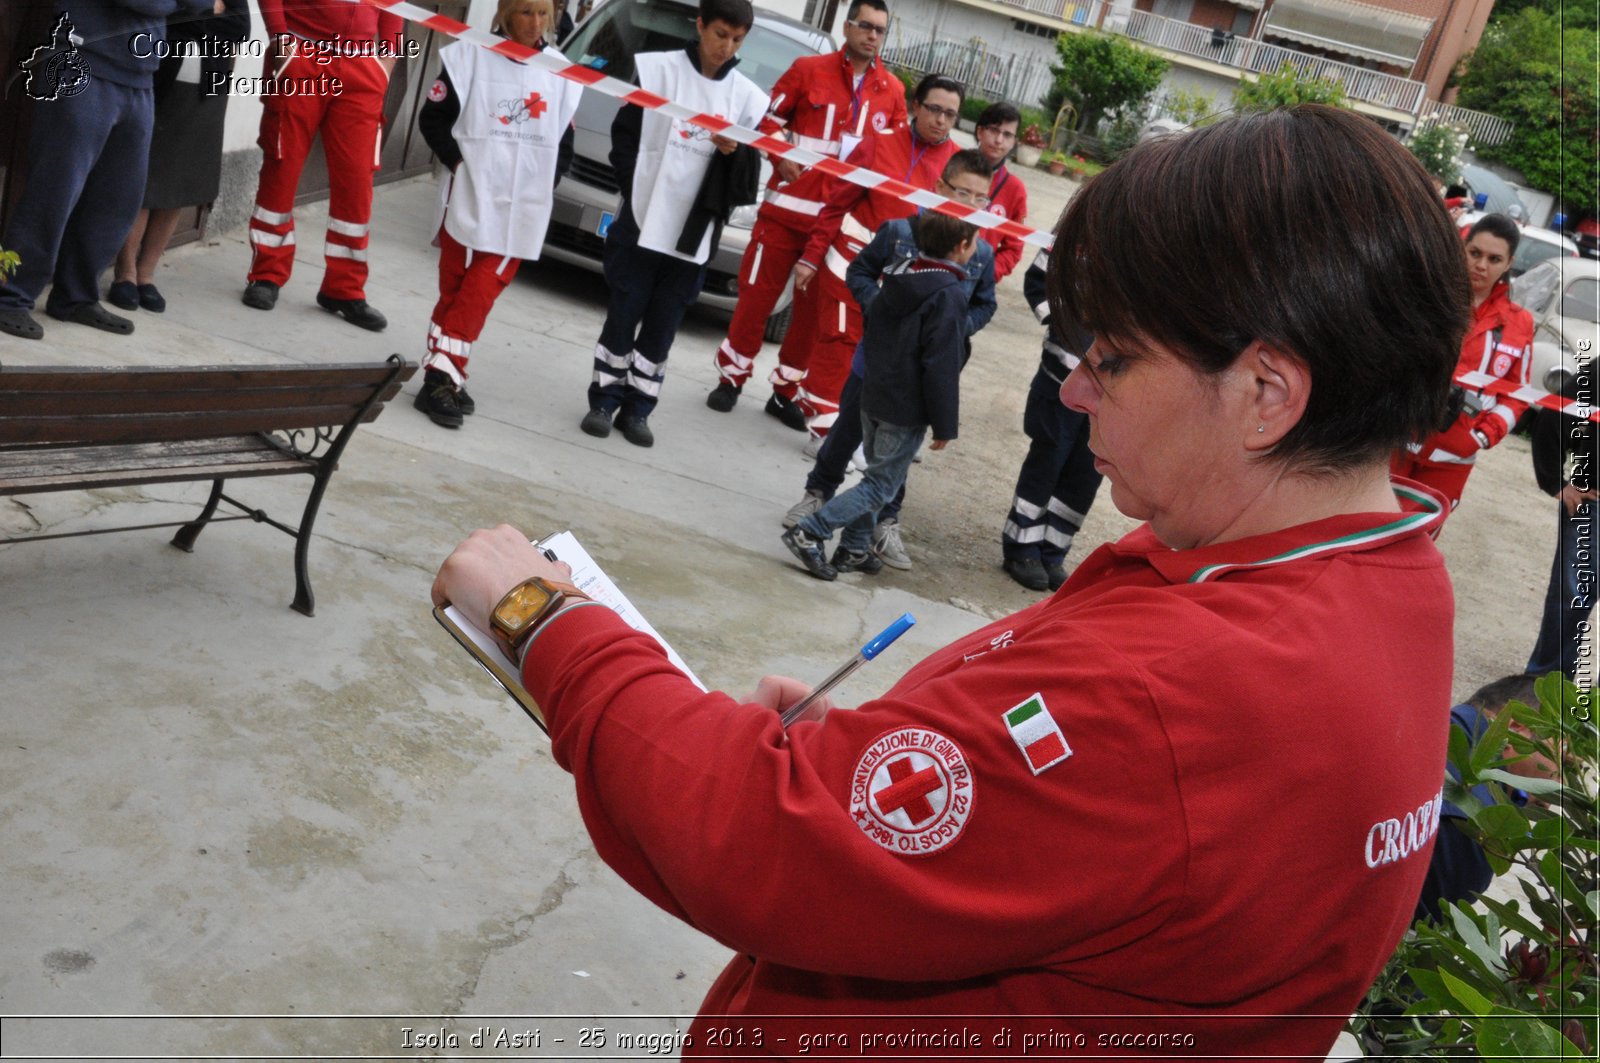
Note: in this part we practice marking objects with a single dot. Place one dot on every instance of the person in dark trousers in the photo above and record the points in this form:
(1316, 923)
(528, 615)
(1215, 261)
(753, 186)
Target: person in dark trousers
(655, 263)
(914, 339)
(87, 156)
(965, 179)
(1057, 482)
(1563, 462)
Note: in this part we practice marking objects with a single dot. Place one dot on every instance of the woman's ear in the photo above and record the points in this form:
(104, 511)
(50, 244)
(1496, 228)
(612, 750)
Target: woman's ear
(1282, 389)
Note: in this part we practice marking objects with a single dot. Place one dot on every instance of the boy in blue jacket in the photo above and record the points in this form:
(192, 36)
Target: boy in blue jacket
(914, 344)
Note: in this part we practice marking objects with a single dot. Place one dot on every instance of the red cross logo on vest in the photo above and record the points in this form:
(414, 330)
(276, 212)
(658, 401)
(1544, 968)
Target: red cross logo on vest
(535, 105)
(911, 791)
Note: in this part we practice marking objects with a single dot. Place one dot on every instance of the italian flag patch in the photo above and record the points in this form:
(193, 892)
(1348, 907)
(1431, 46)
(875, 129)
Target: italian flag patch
(1037, 734)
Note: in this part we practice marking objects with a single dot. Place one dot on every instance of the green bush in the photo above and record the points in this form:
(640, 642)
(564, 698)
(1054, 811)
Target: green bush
(9, 261)
(1285, 88)
(1509, 979)
(1100, 73)
(973, 106)
(1438, 148)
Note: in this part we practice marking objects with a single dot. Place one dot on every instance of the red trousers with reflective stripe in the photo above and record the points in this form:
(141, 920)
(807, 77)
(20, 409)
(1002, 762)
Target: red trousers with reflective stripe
(469, 283)
(768, 262)
(838, 330)
(348, 121)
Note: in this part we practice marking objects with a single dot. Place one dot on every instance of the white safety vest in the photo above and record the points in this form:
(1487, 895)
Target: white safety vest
(673, 154)
(513, 115)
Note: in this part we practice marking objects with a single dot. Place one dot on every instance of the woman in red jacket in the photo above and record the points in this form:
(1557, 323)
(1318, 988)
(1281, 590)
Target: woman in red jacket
(1498, 347)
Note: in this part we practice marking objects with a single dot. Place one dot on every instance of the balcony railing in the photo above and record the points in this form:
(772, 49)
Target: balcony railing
(1242, 53)
(1483, 130)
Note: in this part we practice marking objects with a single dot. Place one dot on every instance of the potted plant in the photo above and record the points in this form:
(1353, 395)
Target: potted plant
(1055, 162)
(1029, 145)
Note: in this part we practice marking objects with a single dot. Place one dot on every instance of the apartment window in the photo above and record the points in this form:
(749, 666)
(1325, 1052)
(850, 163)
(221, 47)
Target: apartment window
(1033, 29)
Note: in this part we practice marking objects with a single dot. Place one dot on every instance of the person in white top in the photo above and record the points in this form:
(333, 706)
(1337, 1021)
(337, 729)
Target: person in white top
(657, 248)
(504, 128)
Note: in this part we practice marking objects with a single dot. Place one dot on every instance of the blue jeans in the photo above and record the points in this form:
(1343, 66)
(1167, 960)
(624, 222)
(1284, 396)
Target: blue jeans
(1569, 597)
(833, 457)
(890, 448)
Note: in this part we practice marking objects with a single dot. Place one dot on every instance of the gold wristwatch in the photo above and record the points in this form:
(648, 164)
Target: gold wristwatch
(525, 607)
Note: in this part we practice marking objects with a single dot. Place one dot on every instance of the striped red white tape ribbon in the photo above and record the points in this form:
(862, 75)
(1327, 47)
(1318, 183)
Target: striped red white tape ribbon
(622, 90)
(594, 79)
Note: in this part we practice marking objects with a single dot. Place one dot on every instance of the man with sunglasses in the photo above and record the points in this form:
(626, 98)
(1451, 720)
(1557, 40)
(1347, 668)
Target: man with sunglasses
(827, 104)
(915, 156)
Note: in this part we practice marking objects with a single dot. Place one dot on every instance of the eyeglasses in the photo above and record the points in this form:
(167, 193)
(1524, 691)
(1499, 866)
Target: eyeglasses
(864, 26)
(961, 195)
(940, 112)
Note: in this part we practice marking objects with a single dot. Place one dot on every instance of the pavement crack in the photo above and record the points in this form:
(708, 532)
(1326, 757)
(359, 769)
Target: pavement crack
(498, 935)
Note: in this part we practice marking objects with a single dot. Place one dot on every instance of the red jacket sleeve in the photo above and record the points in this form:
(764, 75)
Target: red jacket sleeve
(1497, 423)
(711, 811)
(841, 197)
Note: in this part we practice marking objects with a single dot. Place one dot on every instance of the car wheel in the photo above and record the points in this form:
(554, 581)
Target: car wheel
(778, 325)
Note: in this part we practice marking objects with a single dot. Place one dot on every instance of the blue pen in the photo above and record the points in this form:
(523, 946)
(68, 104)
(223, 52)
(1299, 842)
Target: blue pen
(862, 656)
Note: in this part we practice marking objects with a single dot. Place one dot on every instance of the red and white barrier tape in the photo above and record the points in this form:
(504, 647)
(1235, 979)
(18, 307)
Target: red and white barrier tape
(621, 90)
(774, 146)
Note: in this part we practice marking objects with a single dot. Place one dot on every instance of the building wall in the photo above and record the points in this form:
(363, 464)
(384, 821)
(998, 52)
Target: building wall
(996, 30)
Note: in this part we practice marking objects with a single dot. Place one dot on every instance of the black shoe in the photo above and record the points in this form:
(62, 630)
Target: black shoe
(358, 312)
(464, 400)
(597, 423)
(722, 397)
(260, 295)
(439, 399)
(850, 561)
(787, 412)
(1057, 576)
(809, 551)
(636, 431)
(95, 316)
(21, 324)
(1028, 571)
(124, 295)
(151, 299)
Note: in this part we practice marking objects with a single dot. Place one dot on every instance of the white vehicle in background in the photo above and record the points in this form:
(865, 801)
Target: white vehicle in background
(1535, 246)
(1563, 295)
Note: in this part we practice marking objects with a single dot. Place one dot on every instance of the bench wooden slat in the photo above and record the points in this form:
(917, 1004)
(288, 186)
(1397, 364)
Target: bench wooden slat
(193, 378)
(88, 479)
(155, 427)
(89, 403)
(37, 464)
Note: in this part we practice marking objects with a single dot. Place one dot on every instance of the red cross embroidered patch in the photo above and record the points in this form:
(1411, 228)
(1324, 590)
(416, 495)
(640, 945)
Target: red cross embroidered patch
(911, 791)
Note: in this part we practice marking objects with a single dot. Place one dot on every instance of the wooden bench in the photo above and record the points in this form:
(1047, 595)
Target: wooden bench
(67, 429)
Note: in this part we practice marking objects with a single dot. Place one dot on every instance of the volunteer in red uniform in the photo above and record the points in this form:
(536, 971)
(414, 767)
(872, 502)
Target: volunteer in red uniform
(503, 127)
(827, 104)
(996, 132)
(913, 156)
(1499, 346)
(338, 56)
(1090, 818)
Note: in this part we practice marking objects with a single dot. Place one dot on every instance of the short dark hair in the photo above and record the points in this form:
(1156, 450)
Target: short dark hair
(997, 114)
(736, 13)
(938, 81)
(970, 160)
(1498, 225)
(855, 7)
(1320, 236)
(938, 235)
(1492, 697)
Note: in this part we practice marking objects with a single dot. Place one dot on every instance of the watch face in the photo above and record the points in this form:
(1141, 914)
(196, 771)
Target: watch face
(521, 606)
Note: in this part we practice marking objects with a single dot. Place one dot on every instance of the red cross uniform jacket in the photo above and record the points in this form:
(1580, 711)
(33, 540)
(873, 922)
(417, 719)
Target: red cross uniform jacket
(822, 108)
(853, 214)
(1499, 344)
(1008, 197)
(1196, 789)
(334, 22)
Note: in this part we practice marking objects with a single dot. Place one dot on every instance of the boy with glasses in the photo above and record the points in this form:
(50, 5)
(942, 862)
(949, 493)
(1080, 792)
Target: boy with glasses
(966, 180)
(996, 132)
(827, 104)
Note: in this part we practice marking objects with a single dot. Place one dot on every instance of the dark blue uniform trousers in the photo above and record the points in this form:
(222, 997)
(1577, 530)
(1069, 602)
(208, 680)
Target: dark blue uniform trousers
(1057, 482)
(87, 159)
(650, 293)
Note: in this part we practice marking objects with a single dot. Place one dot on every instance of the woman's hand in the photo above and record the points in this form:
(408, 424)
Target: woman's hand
(778, 692)
(1572, 497)
(481, 570)
(802, 276)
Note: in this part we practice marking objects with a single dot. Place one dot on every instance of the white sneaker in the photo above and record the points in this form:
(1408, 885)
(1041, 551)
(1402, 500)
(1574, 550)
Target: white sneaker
(802, 509)
(887, 545)
(813, 445)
